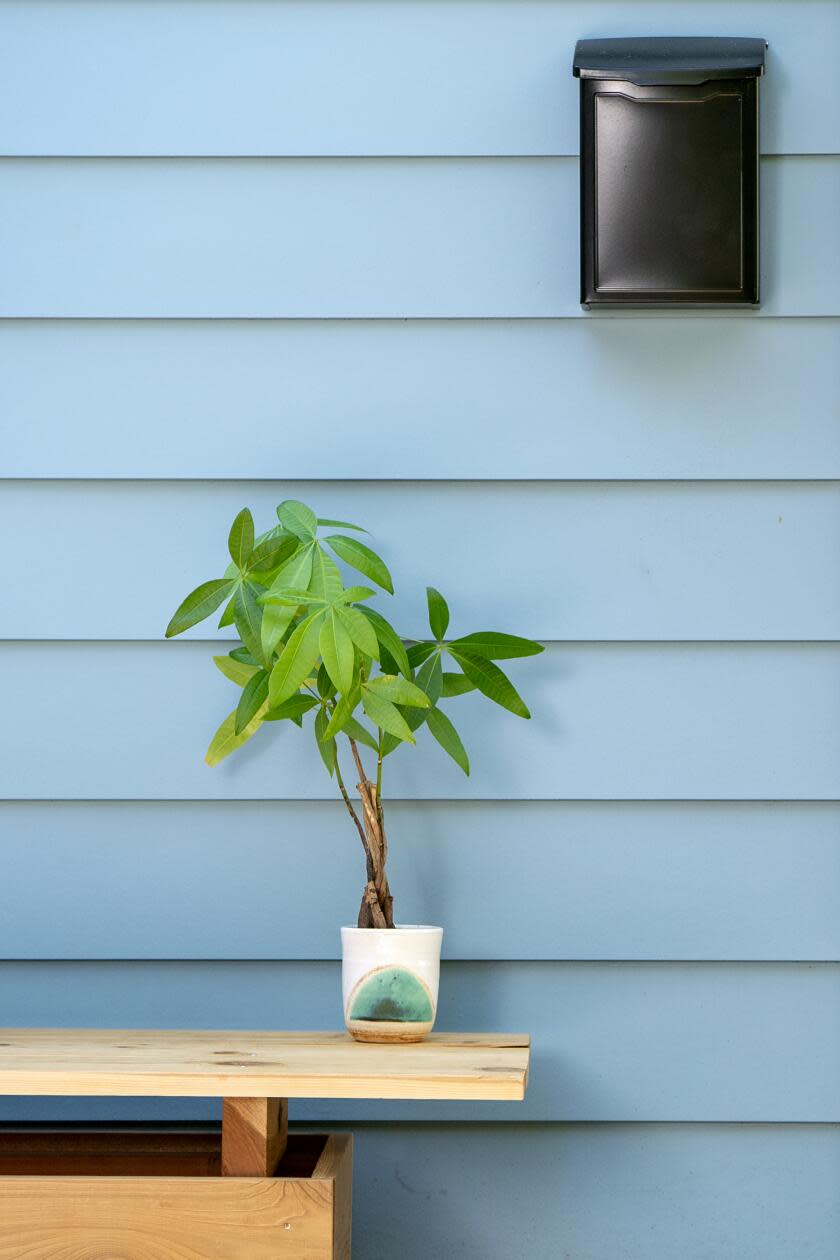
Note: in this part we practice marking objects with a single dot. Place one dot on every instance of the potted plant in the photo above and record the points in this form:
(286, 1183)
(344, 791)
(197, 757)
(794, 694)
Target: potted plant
(315, 651)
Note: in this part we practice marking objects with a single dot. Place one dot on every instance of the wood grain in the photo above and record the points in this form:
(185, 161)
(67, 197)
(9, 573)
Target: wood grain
(142, 1206)
(157, 1218)
(188, 1064)
(336, 1166)
(254, 1135)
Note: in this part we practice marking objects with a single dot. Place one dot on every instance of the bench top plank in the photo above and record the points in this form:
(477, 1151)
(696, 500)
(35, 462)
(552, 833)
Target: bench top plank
(236, 1064)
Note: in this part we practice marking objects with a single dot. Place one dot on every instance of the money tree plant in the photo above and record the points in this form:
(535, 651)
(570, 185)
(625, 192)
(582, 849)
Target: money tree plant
(315, 651)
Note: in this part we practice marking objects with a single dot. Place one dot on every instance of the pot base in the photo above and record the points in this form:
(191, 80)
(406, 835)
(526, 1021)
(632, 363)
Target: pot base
(385, 1031)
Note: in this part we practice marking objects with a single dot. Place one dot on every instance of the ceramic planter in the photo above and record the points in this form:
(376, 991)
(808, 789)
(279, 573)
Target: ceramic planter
(390, 980)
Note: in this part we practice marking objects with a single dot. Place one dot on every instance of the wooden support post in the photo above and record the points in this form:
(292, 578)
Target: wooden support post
(254, 1134)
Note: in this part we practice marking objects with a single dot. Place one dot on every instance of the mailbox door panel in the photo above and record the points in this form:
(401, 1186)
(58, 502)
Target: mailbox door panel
(669, 193)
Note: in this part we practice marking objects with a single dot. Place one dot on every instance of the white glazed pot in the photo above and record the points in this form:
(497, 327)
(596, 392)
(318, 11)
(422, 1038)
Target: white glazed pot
(390, 979)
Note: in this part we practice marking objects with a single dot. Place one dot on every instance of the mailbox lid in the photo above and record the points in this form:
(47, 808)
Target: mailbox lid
(669, 59)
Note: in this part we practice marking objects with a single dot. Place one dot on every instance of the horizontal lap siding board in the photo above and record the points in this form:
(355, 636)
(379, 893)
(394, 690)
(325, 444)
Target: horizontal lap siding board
(585, 880)
(611, 561)
(611, 1041)
(365, 78)
(598, 1192)
(616, 398)
(612, 721)
(397, 238)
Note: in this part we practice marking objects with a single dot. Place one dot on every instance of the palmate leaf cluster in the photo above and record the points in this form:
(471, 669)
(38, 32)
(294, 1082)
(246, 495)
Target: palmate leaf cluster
(312, 645)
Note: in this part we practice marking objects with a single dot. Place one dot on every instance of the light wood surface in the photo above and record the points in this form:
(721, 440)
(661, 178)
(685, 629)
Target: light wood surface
(193, 1218)
(189, 1064)
(336, 1167)
(254, 1135)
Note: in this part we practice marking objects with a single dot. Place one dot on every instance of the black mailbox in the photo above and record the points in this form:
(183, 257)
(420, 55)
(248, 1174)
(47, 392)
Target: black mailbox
(669, 170)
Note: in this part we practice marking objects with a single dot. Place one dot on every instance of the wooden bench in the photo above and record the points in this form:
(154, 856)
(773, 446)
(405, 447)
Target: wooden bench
(248, 1192)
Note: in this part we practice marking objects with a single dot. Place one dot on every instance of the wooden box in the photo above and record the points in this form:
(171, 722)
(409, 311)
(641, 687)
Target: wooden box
(140, 1195)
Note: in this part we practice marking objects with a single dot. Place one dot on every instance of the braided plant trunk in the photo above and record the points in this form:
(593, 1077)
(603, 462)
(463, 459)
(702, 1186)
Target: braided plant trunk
(377, 908)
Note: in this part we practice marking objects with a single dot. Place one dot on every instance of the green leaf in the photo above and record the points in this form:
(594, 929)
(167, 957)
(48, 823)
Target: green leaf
(337, 651)
(272, 551)
(227, 616)
(241, 538)
(296, 660)
(242, 654)
(200, 603)
(361, 734)
(323, 520)
(389, 640)
(226, 741)
(277, 617)
(438, 612)
(296, 572)
(343, 711)
(248, 616)
(360, 557)
(360, 630)
(252, 700)
(430, 678)
(456, 685)
(237, 671)
(419, 652)
(289, 598)
(326, 581)
(448, 738)
(386, 716)
(497, 646)
(298, 519)
(275, 622)
(491, 682)
(326, 688)
(293, 708)
(399, 691)
(387, 663)
(326, 746)
(354, 594)
(276, 531)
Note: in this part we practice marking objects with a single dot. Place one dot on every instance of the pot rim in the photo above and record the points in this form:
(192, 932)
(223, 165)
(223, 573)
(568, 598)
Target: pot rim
(398, 927)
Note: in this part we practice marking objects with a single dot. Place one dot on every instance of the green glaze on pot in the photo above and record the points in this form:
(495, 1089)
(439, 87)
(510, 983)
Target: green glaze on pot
(391, 993)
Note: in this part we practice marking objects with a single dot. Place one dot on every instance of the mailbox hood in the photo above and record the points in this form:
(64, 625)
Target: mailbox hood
(669, 59)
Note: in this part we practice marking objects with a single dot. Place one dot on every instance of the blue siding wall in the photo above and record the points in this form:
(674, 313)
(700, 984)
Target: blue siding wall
(228, 224)
(706, 397)
(202, 238)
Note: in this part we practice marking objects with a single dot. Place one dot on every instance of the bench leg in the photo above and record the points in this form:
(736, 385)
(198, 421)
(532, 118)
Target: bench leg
(254, 1134)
